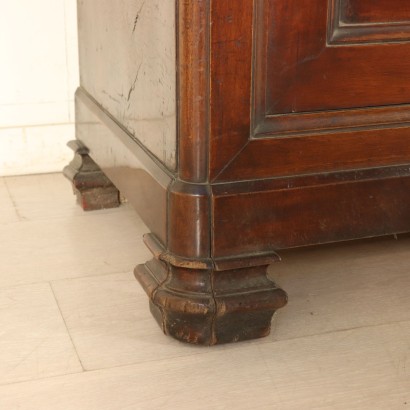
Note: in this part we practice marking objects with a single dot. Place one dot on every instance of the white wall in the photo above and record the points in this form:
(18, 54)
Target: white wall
(38, 78)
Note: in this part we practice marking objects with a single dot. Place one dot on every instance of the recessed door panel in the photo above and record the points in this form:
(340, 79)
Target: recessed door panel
(306, 74)
(374, 11)
(330, 85)
(368, 21)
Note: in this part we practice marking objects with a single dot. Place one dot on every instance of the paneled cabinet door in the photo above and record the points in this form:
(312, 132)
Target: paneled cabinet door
(330, 88)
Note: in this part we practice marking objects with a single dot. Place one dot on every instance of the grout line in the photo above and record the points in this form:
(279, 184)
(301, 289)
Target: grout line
(65, 324)
(42, 282)
(94, 276)
(101, 275)
(205, 350)
(201, 350)
(260, 341)
(104, 369)
(328, 332)
(22, 219)
(39, 379)
(19, 216)
(38, 174)
(42, 125)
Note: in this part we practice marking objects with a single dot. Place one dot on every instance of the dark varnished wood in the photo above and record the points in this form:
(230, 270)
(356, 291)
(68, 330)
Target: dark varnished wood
(193, 86)
(189, 237)
(139, 176)
(207, 306)
(91, 186)
(319, 153)
(374, 11)
(368, 21)
(315, 76)
(311, 91)
(308, 210)
(231, 85)
(293, 125)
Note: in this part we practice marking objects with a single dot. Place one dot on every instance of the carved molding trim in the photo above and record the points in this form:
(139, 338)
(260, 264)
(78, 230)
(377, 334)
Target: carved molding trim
(266, 125)
(347, 33)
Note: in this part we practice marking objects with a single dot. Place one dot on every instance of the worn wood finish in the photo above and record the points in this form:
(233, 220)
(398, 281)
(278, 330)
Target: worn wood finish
(140, 177)
(310, 210)
(293, 129)
(374, 11)
(193, 89)
(313, 154)
(231, 71)
(91, 186)
(309, 77)
(311, 102)
(128, 55)
(206, 306)
(189, 237)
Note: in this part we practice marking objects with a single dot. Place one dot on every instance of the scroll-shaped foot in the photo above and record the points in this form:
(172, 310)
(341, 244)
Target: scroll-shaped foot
(91, 186)
(206, 306)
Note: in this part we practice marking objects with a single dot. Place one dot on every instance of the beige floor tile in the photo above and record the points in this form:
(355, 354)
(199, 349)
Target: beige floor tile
(343, 286)
(341, 343)
(110, 323)
(233, 379)
(34, 342)
(35, 251)
(8, 212)
(46, 196)
(354, 369)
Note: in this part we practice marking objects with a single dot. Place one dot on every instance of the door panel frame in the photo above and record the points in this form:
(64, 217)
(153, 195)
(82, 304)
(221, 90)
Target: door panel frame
(247, 144)
(347, 33)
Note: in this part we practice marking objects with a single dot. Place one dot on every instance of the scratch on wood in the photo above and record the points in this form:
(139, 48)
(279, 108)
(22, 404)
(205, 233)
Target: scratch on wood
(110, 96)
(137, 17)
(134, 82)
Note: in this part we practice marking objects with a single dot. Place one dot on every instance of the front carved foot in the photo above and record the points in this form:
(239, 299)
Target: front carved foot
(202, 305)
(91, 186)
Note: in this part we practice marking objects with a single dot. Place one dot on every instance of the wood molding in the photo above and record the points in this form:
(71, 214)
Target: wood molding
(189, 220)
(344, 32)
(230, 119)
(265, 123)
(193, 33)
(279, 213)
(319, 137)
(138, 174)
(208, 307)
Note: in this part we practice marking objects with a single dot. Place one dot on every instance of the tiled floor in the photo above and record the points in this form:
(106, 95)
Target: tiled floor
(76, 332)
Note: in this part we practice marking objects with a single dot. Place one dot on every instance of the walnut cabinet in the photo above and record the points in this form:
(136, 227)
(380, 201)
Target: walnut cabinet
(237, 129)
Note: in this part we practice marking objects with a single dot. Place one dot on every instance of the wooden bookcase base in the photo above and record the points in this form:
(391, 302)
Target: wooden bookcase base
(212, 242)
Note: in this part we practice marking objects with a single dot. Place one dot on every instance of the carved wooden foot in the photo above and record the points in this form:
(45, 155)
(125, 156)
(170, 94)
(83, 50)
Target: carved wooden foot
(205, 306)
(91, 186)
